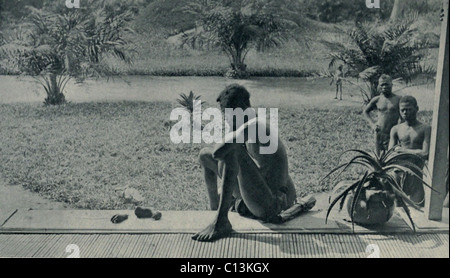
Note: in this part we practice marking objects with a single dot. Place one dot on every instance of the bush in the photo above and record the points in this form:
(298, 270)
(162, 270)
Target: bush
(333, 11)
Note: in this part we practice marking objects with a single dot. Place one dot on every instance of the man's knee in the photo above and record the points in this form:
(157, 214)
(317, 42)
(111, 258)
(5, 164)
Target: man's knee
(205, 156)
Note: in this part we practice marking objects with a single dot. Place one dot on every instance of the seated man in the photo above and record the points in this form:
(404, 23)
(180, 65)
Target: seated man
(258, 185)
(413, 137)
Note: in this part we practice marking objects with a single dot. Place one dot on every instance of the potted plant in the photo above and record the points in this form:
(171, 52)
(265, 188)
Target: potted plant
(373, 197)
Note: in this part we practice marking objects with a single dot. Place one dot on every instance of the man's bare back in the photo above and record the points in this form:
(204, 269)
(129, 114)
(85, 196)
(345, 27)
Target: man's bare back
(259, 184)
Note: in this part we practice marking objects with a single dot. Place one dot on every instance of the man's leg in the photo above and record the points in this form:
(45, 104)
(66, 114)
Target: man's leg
(221, 226)
(240, 168)
(210, 171)
(255, 192)
(377, 143)
(413, 187)
(381, 142)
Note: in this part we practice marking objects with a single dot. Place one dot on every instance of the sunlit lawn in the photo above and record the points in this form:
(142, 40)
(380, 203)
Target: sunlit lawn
(79, 153)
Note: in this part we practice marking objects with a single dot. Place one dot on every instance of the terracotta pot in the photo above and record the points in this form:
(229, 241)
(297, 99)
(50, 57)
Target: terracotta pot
(374, 206)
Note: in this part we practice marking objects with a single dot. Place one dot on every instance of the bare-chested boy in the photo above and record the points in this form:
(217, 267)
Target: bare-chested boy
(413, 137)
(386, 104)
(338, 79)
(258, 184)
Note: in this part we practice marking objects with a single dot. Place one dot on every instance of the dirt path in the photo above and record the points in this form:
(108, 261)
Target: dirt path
(16, 197)
(265, 92)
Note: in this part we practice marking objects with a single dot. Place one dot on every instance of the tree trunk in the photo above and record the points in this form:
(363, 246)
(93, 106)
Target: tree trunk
(67, 62)
(53, 84)
(397, 10)
(238, 68)
(54, 95)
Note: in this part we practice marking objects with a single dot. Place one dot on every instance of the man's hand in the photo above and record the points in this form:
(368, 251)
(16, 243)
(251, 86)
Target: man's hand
(400, 149)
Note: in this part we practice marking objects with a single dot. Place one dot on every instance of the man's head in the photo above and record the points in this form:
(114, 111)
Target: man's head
(408, 108)
(385, 84)
(234, 96)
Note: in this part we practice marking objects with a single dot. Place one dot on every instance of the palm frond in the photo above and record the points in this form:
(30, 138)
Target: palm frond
(187, 101)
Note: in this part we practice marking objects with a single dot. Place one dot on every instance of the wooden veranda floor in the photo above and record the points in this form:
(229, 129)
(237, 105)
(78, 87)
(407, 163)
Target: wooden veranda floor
(265, 245)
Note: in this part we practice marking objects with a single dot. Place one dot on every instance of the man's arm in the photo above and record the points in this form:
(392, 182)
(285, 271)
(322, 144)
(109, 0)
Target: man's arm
(232, 137)
(424, 152)
(372, 105)
(393, 140)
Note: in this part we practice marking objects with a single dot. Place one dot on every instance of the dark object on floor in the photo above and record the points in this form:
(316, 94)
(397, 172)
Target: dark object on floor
(157, 215)
(141, 212)
(303, 205)
(119, 218)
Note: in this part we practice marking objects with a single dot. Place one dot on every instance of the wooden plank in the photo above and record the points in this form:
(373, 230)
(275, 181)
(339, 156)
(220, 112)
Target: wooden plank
(5, 215)
(89, 245)
(425, 225)
(32, 242)
(397, 224)
(311, 245)
(106, 246)
(438, 158)
(92, 221)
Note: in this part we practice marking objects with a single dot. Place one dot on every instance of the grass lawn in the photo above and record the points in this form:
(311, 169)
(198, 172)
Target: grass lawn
(80, 152)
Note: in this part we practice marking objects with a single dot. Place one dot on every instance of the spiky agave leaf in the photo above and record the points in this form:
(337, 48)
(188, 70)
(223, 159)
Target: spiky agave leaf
(407, 211)
(394, 156)
(374, 163)
(397, 189)
(407, 164)
(391, 157)
(338, 187)
(411, 172)
(344, 193)
(345, 166)
(382, 168)
(358, 191)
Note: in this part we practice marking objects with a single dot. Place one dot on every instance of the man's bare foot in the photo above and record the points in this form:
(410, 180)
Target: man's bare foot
(214, 231)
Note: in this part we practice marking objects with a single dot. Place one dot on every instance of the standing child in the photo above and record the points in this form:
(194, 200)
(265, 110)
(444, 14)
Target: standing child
(338, 76)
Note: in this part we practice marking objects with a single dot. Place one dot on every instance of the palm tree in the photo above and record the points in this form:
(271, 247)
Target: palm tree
(59, 44)
(238, 26)
(374, 49)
